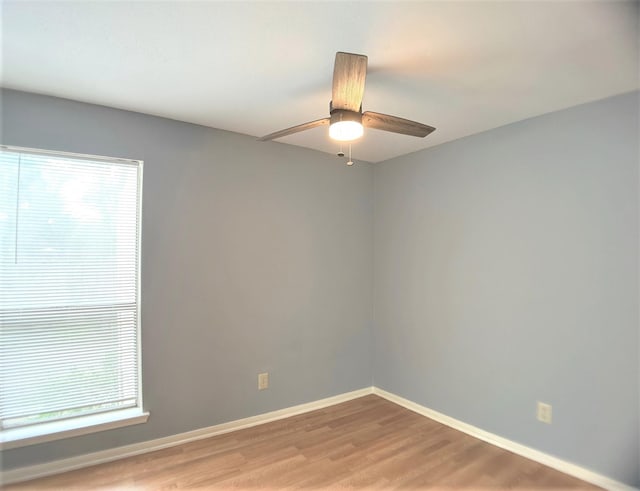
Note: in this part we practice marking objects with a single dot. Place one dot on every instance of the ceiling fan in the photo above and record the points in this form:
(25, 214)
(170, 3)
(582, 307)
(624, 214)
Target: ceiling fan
(346, 118)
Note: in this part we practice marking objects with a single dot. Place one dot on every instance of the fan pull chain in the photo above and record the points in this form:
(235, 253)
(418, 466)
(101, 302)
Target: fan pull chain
(350, 162)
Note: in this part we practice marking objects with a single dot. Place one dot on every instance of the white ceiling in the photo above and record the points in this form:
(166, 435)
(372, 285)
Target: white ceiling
(257, 67)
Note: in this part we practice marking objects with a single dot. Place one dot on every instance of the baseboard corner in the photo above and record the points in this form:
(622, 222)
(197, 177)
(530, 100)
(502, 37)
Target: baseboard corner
(552, 461)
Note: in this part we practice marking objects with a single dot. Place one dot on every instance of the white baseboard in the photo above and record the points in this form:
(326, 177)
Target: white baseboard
(517, 448)
(73, 463)
(94, 458)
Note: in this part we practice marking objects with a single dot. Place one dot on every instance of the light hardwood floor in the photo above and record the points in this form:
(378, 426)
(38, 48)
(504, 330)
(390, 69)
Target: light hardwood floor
(367, 443)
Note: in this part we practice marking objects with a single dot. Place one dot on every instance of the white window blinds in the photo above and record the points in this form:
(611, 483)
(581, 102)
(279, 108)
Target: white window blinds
(69, 269)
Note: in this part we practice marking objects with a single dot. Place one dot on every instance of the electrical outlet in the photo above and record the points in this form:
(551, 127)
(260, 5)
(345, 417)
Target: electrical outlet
(263, 381)
(544, 412)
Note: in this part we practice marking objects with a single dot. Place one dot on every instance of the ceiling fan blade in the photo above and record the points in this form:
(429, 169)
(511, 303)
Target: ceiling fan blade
(395, 124)
(349, 74)
(295, 129)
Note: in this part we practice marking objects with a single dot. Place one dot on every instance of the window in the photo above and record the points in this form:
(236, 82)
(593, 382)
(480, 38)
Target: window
(69, 294)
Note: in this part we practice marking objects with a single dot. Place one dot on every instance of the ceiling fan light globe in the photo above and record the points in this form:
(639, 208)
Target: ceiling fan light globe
(346, 130)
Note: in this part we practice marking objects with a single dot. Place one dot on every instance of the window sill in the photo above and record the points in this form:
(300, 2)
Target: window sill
(56, 430)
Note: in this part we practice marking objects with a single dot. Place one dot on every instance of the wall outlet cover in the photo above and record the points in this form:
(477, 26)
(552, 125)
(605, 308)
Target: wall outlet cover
(544, 412)
(263, 381)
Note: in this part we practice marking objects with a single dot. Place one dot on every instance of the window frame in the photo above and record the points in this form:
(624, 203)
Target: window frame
(89, 423)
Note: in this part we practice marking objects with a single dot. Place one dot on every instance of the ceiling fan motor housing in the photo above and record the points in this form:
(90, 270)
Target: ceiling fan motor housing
(339, 115)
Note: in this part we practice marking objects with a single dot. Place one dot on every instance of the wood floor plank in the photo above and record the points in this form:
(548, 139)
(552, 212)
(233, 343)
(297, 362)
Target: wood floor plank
(367, 443)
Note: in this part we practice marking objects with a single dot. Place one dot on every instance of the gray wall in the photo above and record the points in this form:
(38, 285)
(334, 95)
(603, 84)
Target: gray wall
(506, 272)
(255, 257)
(505, 263)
